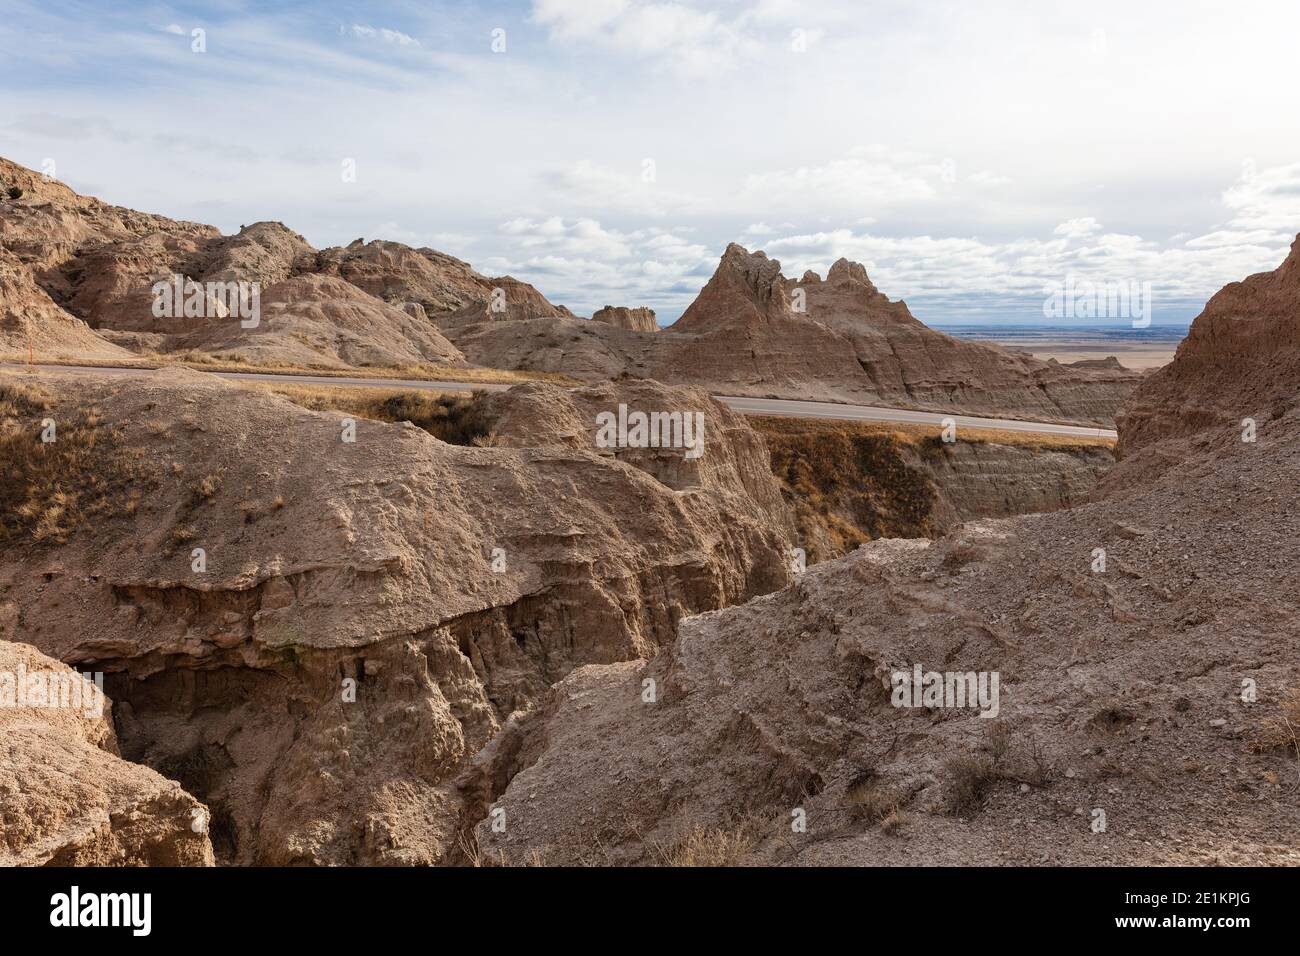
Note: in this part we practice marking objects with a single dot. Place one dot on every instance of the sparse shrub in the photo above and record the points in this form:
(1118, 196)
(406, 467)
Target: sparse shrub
(867, 800)
(1280, 730)
(712, 846)
(207, 487)
(894, 824)
(47, 490)
(968, 782)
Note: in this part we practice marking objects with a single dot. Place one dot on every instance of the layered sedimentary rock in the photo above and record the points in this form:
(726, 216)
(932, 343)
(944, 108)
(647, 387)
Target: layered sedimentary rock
(636, 319)
(314, 321)
(1122, 633)
(1237, 370)
(66, 797)
(31, 324)
(908, 362)
(314, 634)
(753, 332)
(847, 483)
(100, 263)
(439, 283)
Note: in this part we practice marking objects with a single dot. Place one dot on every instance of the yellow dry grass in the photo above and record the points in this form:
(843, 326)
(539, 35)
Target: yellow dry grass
(50, 488)
(456, 417)
(209, 363)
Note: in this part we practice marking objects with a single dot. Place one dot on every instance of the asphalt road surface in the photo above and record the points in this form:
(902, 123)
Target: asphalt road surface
(749, 406)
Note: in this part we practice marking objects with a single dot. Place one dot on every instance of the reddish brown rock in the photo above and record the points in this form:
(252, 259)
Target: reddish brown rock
(776, 735)
(32, 325)
(1240, 360)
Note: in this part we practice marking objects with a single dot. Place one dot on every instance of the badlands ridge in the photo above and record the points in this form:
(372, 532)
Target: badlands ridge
(515, 646)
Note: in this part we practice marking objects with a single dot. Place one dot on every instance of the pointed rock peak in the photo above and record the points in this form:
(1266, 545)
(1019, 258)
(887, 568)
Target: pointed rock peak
(809, 276)
(747, 287)
(845, 270)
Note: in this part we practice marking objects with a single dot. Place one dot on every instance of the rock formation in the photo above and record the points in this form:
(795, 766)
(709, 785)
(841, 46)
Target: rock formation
(1240, 360)
(846, 342)
(66, 797)
(852, 483)
(314, 321)
(65, 257)
(365, 615)
(31, 324)
(1123, 632)
(439, 283)
(638, 319)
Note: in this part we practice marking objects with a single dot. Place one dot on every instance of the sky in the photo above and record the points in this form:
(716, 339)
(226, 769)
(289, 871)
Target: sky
(973, 157)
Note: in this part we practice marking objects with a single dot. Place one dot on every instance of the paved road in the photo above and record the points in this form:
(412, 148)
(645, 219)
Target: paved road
(748, 406)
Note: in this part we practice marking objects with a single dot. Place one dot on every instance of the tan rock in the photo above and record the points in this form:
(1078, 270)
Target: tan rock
(377, 562)
(66, 797)
(637, 319)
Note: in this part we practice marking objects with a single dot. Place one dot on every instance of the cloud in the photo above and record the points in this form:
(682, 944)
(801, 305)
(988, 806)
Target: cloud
(395, 37)
(632, 189)
(586, 265)
(689, 41)
(858, 180)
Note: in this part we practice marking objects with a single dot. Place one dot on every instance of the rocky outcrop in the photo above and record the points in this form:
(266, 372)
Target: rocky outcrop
(1118, 691)
(847, 483)
(100, 263)
(365, 615)
(752, 332)
(31, 324)
(1240, 361)
(66, 797)
(1144, 646)
(637, 319)
(444, 286)
(314, 321)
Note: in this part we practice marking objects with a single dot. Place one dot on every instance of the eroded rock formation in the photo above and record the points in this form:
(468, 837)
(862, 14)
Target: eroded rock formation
(1123, 633)
(66, 797)
(636, 319)
(266, 569)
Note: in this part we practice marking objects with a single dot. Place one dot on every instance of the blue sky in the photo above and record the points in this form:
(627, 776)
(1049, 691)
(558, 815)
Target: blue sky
(613, 148)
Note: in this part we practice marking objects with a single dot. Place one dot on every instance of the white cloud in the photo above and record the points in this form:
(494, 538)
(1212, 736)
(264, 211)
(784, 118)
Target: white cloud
(691, 41)
(395, 37)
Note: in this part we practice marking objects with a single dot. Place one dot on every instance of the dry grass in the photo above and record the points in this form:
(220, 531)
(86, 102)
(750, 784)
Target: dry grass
(712, 846)
(924, 435)
(209, 363)
(848, 484)
(969, 780)
(867, 800)
(454, 417)
(47, 490)
(1280, 730)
